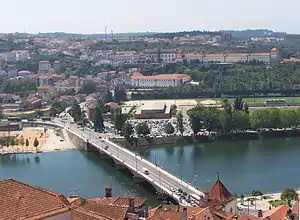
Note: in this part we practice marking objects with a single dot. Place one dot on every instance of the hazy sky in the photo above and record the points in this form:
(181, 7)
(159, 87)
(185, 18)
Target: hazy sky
(90, 16)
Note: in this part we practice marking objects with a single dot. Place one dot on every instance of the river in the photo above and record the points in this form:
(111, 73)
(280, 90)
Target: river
(269, 165)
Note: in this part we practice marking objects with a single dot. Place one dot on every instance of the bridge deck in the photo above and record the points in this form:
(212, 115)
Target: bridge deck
(157, 176)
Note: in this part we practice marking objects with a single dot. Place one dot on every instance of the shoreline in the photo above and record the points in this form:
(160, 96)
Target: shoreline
(49, 140)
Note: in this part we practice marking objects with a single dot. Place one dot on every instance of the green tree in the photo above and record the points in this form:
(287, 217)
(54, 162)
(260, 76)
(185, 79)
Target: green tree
(173, 110)
(36, 143)
(289, 118)
(238, 104)
(169, 128)
(180, 125)
(76, 112)
(119, 119)
(240, 120)
(22, 141)
(98, 120)
(120, 94)
(27, 142)
(256, 193)
(108, 97)
(89, 87)
(289, 195)
(142, 129)
(127, 130)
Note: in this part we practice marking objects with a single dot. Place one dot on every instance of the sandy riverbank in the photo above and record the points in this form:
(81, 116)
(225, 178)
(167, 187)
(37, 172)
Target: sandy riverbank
(49, 140)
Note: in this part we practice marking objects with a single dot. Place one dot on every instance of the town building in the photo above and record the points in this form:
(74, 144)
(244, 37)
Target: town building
(47, 93)
(44, 66)
(272, 56)
(167, 55)
(163, 80)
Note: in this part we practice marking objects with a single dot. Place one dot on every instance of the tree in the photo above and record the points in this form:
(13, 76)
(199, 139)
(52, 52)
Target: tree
(76, 112)
(119, 119)
(127, 130)
(289, 195)
(142, 129)
(108, 97)
(238, 104)
(169, 129)
(240, 120)
(22, 141)
(256, 193)
(119, 94)
(27, 142)
(89, 87)
(180, 125)
(36, 143)
(98, 120)
(173, 110)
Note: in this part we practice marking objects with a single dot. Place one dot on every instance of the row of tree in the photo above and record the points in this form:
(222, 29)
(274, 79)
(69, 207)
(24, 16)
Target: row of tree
(232, 119)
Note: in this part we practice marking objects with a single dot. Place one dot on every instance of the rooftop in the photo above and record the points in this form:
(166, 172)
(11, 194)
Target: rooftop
(220, 193)
(23, 201)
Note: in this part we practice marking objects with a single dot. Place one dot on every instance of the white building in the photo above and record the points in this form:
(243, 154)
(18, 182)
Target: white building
(168, 55)
(163, 80)
(44, 66)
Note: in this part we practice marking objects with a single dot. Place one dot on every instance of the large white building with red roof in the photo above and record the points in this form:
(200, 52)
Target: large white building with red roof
(138, 80)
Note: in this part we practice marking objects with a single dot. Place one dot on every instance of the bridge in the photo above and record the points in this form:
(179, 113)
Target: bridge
(160, 179)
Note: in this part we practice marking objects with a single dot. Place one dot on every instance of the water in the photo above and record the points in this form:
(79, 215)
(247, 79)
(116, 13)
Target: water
(71, 172)
(266, 165)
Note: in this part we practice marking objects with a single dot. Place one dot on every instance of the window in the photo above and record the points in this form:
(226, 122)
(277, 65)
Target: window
(205, 217)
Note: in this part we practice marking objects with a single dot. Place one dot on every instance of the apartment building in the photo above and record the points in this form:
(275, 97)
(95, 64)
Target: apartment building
(163, 80)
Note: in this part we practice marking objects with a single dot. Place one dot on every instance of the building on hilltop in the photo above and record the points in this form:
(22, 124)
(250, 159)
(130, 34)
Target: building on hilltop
(272, 56)
(163, 80)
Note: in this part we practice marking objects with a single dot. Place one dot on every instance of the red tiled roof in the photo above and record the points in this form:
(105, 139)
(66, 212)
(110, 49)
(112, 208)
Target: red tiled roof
(121, 201)
(219, 192)
(211, 213)
(278, 213)
(108, 211)
(23, 201)
(159, 77)
(248, 217)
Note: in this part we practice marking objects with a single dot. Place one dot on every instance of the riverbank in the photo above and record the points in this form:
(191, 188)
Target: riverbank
(259, 203)
(49, 140)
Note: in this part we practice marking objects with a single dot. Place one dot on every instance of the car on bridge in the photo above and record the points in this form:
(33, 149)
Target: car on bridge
(145, 170)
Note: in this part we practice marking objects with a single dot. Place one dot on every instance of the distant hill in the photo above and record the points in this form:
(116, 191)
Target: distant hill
(74, 35)
(246, 34)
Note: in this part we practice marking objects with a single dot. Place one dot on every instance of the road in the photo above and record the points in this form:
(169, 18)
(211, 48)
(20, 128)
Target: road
(157, 176)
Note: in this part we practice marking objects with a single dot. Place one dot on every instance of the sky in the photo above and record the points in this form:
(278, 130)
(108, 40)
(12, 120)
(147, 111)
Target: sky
(91, 16)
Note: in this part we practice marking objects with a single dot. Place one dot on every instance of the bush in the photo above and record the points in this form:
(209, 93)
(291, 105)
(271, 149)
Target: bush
(256, 193)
